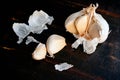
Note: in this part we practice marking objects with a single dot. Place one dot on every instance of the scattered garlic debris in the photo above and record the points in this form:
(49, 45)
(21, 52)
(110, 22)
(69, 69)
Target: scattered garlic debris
(54, 44)
(38, 20)
(89, 27)
(40, 52)
(63, 66)
(7, 48)
(31, 39)
(21, 30)
(37, 23)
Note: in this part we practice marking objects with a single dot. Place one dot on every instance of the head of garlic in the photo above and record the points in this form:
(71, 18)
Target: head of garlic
(54, 44)
(89, 27)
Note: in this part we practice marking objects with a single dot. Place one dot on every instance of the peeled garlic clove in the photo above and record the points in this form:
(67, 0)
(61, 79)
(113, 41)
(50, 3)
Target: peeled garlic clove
(21, 30)
(69, 22)
(31, 39)
(78, 42)
(54, 44)
(38, 20)
(40, 52)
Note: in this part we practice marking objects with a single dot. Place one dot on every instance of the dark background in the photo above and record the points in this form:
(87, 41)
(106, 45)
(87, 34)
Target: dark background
(16, 61)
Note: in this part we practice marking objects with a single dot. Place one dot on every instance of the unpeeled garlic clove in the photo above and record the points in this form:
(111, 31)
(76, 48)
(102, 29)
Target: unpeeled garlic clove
(54, 44)
(70, 24)
(40, 52)
(90, 45)
(104, 32)
(81, 27)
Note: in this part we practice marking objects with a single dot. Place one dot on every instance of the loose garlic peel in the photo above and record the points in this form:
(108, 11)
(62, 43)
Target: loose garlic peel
(89, 27)
(54, 44)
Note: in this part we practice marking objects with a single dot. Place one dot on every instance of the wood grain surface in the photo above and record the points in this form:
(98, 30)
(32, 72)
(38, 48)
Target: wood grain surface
(16, 60)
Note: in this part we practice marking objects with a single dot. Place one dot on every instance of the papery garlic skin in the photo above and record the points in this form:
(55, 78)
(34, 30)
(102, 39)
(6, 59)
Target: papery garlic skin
(69, 23)
(55, 43)
(89, 46)
(21, 30)
(38, 20)
(40, 52)
(36, 24)
(104, 26)
(89, 27)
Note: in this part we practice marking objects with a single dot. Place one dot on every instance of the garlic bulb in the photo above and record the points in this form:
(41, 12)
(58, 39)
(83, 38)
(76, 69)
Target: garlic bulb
(89, 27)
(21, 30)
(54, 44)
(40, 52)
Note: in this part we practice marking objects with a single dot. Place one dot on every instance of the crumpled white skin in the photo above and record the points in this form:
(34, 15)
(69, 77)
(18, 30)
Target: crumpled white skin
(89, 27)
(37, 22)
(31, 39)
(63, 66)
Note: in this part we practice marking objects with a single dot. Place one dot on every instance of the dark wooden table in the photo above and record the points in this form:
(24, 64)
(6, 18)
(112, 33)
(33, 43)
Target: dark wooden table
(16, 61)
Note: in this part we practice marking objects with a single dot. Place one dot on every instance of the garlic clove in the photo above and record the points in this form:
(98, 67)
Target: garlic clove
(54, 44)
(81, 24)
(89, 46)
(104, 27)
(40, 52)
(38, 20)
(69, 22)
(78, 42)
(93, 30)
(71, 27)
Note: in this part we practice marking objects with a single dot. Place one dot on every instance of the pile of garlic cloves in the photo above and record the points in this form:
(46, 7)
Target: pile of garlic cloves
(54, 44)
(89, 27)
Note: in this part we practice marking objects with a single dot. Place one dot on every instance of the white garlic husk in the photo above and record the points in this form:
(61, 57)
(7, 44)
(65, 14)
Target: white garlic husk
(21, 30)
(37, 23)
(63, 66)
(40, 52)
(89, 27)
(69, 22)
(54, 44)
(38, 20)
(31, 39)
